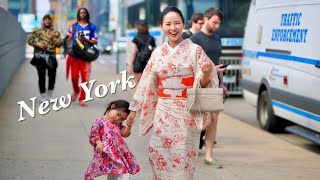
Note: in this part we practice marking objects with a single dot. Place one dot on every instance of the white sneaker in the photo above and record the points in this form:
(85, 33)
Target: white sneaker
(50, 95)
(43, 97)
(124, 176)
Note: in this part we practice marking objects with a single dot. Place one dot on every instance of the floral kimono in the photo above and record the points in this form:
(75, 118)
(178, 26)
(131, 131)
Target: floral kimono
(160, 99)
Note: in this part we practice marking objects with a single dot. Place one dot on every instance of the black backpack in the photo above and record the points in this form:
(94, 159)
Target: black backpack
(85, 50)
(187, 34)
(145, 51)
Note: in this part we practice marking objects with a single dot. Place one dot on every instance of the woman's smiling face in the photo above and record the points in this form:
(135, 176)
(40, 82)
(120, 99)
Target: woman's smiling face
(172, 26)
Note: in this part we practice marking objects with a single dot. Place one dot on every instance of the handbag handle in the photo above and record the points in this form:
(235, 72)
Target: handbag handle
(198, 85)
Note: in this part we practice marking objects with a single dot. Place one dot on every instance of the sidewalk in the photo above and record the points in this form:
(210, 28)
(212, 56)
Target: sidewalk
(55, 146)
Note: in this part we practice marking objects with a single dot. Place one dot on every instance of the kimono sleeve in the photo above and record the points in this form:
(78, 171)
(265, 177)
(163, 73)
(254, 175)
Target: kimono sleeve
(147, 88)
(96, 132)
(202, 58)
(146, 96)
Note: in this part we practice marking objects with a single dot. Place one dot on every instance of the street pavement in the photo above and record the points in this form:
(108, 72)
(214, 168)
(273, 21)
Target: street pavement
(55, 146)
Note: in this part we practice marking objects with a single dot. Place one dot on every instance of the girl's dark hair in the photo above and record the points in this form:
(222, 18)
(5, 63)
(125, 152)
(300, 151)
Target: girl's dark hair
(120, 105)
(87, 17)
(170, 9)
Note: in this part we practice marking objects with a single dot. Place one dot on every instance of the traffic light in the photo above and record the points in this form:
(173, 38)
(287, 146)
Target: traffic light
(54, 18)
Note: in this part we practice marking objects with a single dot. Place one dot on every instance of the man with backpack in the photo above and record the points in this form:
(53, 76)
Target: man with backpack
(196, 25)
(142, 46)
(86, 32)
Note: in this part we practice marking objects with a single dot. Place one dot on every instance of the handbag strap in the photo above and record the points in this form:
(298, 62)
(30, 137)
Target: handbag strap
(198, 85)
(197, 81)
(195, 96)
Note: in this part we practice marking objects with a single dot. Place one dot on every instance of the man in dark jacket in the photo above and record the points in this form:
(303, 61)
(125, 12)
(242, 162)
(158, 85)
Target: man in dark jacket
(45, 40)
(211, 44)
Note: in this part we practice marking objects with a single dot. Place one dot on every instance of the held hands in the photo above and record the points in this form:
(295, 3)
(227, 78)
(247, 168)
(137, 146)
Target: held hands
(130, 118)
(99, 146)
(129, 122)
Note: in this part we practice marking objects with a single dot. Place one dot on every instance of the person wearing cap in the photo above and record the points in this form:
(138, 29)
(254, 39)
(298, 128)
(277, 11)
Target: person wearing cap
(142, 38)
(45, 40)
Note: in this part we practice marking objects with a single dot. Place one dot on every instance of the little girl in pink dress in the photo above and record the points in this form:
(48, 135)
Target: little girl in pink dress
(112, 156)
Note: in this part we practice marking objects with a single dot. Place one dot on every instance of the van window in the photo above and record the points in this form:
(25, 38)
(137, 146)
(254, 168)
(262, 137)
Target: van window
(235, 13)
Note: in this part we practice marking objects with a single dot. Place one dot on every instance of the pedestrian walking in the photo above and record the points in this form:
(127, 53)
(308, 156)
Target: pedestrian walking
(85, 31)
(196, 25)
(112, 156)
(211, 44)
(142, 43)
(161, 99)
(45, 40)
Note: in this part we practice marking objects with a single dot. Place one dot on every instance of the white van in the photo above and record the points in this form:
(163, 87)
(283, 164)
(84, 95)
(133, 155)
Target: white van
(281, 65)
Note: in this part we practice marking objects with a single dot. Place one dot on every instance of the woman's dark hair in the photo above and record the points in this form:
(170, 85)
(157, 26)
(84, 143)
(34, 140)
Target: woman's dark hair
(170, 9)
(120, 105)
(87, 17)
(142, 26)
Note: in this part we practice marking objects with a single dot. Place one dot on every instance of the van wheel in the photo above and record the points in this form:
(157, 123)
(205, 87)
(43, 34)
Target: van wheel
(267, 119)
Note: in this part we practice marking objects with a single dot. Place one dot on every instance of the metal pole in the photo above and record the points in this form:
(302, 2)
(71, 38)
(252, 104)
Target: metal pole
(118, 35)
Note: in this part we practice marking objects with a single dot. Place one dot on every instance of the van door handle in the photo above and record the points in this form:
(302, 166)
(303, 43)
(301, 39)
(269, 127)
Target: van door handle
(278, 51)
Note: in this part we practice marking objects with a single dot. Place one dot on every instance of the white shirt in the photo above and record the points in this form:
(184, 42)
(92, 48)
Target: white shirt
(173, 50)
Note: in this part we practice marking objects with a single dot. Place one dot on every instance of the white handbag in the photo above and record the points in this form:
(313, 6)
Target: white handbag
(204, 99)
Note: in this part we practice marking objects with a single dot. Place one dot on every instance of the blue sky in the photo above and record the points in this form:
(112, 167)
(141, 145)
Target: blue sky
(43, 7)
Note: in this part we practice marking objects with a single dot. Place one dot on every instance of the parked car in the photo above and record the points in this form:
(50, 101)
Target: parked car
(105, 45)
(121, 43)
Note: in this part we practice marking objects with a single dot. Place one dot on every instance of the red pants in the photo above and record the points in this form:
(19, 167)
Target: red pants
(79, 66)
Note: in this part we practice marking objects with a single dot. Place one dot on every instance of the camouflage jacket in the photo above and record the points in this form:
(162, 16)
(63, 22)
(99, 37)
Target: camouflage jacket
(41, 35)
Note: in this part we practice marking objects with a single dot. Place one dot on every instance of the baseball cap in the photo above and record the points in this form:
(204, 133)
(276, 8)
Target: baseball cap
(47, 16)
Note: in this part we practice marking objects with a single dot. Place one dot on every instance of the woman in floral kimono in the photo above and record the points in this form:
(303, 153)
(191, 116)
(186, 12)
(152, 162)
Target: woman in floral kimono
(161, 99)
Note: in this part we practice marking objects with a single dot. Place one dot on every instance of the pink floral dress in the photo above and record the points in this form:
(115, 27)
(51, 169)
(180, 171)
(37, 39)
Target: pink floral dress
(116, 157)
(175, 137)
